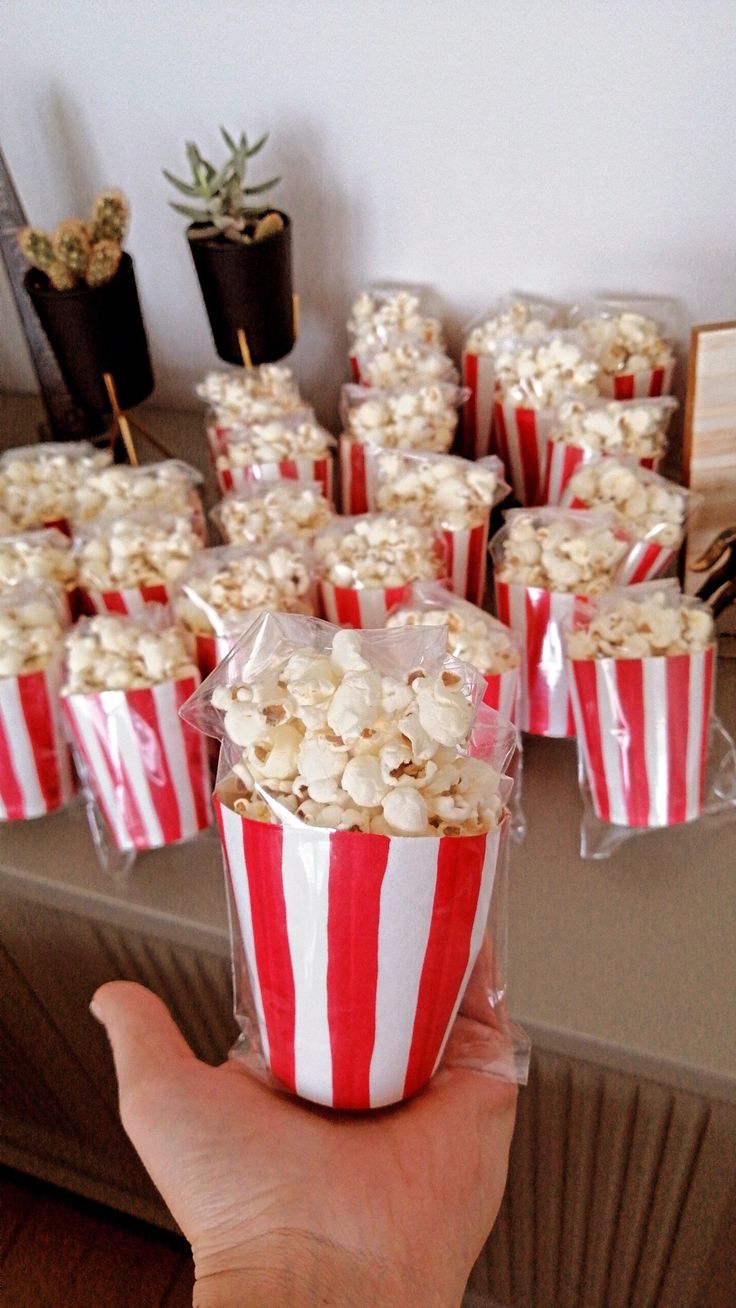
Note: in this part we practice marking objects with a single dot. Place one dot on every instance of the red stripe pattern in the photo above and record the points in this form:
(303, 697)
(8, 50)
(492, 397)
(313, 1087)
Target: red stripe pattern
(465, 556)
(358, 950)
(354, 477)
(536, 617)
(132, 600)
(521, 437)
(144, 766)
(643, 729)
(239, 479)
(36, 775)
(649, 383)
(347, 606)
(477, 424)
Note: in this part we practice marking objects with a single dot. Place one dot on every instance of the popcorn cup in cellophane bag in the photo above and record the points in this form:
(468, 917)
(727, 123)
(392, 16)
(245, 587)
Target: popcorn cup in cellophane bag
(478, 374)
(633, 340)
(36, 774)
(521, 442)
(292, 446)
(126, 564)
(145, 768)
(314, 470)
(536, 616)
(352, 949)
(642, 665)
(635, 431)
(130, 600)
(39, 483)
(637, 385)
(356, 558)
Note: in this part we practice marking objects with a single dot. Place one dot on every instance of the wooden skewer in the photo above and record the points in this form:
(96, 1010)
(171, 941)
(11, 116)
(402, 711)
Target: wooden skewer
(120, 421)
(244, 348)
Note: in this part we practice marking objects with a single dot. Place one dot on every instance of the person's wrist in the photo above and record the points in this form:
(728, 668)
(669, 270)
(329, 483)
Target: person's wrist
(294, 1267)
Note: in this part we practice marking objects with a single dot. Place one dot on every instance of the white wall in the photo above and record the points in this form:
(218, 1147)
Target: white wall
(561, 145)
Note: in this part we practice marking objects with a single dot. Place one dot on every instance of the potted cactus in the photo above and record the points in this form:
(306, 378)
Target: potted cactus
(241, 253)
(82, 286)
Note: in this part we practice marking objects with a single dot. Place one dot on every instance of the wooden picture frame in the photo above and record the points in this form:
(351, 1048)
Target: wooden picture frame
(709, 447)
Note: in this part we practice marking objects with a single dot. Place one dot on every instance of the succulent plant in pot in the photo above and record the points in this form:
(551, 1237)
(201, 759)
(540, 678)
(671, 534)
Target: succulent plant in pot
(82, 286)
(241, 252)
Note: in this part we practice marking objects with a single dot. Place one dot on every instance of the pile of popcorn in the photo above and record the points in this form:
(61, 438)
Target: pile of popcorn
(376, 314)
(251, 395)
(575, 552)
(140, 550)
(517, 318)
(276, 441)
(224, 583)
(452, 493)
(538, 375)
(407, 418)
(472, 635)
(402, 360)
(377, 550)
(40, 483)
(278, 508)
(655, 509)
(626, 342)
(627, 427)
(338, 745)
(643, 628)
(119, 490)
(31, 630)
(40, 556)
(109, 652)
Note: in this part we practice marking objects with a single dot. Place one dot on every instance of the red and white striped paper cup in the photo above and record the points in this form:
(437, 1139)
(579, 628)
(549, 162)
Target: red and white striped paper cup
(369, 606)
(146, 768)
(466, 556)
(357, 488)
(131, 600)
(536, 616)
(36, 774)
(643, 734)
(479, 372)
(211, 650)
(645, 561)
(520, 437)
(501, 692)
(359, 949)
(650, 382)
(354, 363)
(239, 479)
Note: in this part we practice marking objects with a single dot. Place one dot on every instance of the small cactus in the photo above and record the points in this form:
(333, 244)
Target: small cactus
(110, 216)
(71, 245)
(35, 246)
(104, 261)
(61, 277)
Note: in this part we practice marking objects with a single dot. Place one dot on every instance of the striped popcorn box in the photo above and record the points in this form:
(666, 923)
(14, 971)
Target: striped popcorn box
(146, 769)
(479, 377)
(238, 479)
(636, 385)
(562, 463)
(211, 650)
(466, 555)
(645, 561)
(536, 616)
(643, 735)
(520, 437)
(357, 488)
(353, 606)
(501, 692)
(359, 949)
(36, 774)
(131, 599)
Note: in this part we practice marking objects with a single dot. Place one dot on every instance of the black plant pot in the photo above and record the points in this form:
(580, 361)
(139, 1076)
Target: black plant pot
(93, 330)
(248, 286)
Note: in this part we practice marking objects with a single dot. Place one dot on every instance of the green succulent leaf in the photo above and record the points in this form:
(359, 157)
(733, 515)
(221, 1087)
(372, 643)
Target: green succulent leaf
(264, 186)
(196, 215)
(227, 138)
(258, 145)
(180, 186)
(193, 156)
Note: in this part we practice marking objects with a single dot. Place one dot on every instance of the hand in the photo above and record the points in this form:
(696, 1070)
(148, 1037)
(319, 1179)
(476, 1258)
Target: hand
(288, 1204)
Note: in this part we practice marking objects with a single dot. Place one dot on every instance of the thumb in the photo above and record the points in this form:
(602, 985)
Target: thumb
(145, 1040)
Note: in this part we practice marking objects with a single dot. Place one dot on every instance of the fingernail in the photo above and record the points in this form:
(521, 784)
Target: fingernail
(96, 1012)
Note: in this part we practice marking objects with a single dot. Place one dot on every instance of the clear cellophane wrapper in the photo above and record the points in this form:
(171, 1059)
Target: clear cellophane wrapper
(359, 605)
(651, 751)
(179, 493)
(434, 433)
(536, 615)
(640, 383)
(251, 496)
(465, 547)
(56, 502)
(234, 475)
(216, 627)
(36, 772)
(655, 549)
(478, 365)
(501, 683)
(428, 365)
(354, 953)
(98, 594)
(564, 459)
(41, 556)
(144, 770)
(417, 320)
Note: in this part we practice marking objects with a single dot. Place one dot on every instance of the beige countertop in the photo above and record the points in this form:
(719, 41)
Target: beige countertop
(632, 959)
